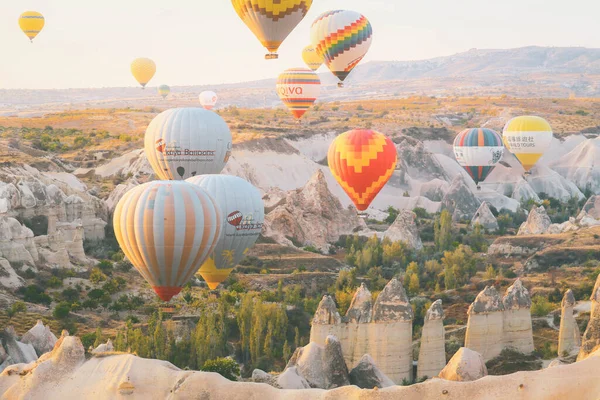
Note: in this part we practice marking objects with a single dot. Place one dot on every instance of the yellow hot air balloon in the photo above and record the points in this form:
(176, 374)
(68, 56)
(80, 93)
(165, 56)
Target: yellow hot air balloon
(167, 229)
(143, 70)
(527, 137)
(311, 58)
(31, 23)
(164, 91)
(271, 21)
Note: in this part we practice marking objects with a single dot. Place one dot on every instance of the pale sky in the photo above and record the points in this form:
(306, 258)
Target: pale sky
(90, 43)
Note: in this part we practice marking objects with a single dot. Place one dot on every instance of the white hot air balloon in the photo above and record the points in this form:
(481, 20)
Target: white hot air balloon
(185, 142)
(243, 217)
(208, 99)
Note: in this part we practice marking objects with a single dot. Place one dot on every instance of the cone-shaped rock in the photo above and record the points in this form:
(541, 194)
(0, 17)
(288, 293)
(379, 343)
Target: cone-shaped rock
(485, 327)
(392, 304)
(466, 365)
(569, 338)
(518, 332)
(484, 217)
(361, 306)
(366, 375)
(327, 312)
(432, 353)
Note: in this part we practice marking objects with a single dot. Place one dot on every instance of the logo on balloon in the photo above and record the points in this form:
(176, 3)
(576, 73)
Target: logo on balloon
(235, 218)
(160, 145)
(290, 90)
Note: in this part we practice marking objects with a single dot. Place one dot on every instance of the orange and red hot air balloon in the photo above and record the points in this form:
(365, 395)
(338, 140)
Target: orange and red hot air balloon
(362, 161)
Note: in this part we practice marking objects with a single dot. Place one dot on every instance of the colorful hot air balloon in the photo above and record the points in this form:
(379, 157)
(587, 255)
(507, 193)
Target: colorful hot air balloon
(167, 229)
(164, 91)
(143, 70)
(208, 99)
(527, 137)
(341, 38)
(311, 58)
(478, 151)
(243, 216)
(362, 161)
(271, 21)
(298, 88)
(184, 142)
(31, 23)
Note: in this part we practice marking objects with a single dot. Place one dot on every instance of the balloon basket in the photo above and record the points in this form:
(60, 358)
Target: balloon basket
(340, 84)
(271, 56)
(363, 215)
(478, 187)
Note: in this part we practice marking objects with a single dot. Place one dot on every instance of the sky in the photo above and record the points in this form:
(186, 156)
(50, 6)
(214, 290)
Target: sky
(90, 43)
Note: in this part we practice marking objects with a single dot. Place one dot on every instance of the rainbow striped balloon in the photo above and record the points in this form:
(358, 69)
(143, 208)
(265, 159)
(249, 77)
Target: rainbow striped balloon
(342, 38)
(298, 88)
(478, 151)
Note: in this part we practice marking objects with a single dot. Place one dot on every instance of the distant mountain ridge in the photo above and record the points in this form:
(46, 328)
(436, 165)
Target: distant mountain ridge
(523, 72)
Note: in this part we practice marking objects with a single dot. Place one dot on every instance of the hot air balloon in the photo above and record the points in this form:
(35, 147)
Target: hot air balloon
(164, 91)
(184, 142)
(362, 161)
(167, 229)
(527, 137)
(311, 58)
(243, 216)
(341, 38)
(208, 99)
(271, 21)
(31, 23)
(478, 151)
(298, 88)
(143, 70)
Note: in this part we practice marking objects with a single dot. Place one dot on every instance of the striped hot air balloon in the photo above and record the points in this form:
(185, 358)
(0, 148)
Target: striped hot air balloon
(185, 142)
(478, 151)
(143, 69)
(341, 38)
(298, 89)
(243, 217)
(527, 137)
(167, 229)
(362, 161)
(31, 23)
(311, 58)
(271, 21)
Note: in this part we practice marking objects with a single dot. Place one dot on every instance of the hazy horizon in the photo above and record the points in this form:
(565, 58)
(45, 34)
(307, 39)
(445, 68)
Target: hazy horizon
(91, 46)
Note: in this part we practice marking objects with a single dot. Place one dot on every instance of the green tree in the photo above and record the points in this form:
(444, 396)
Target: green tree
(15, 308)
(98, 340)
(62, 310)
(490, 272)
(414, 285)
(287, 351)
(225, 366)
(443, 231)
(97, 276)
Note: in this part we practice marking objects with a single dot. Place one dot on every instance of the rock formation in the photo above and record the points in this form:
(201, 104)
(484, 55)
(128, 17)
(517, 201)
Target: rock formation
(385, 333)
(321, 366)
(590, 342)
(495, 324)
(569, 338)
(517, 329)
(537, 222)
(14, 351)
(104, 347)
(590, 213)
(40, 337)
(311, 216)
(291, 379)
(366, 375)
(484, 217)
(404, 229)
(64, 374)
(460, 201)
(432, 353)
(466, 365)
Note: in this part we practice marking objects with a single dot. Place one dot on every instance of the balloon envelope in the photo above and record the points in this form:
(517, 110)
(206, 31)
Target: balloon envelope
(478, 150)
(208, 99)
(311, 58)
(362, 161)
(298, 89)
(527, 137)
(341, 38)
(243, 217)
(271, 21)
(164, 90)
(143, 70)
(184, 142)
(167, 229)
(31, 23)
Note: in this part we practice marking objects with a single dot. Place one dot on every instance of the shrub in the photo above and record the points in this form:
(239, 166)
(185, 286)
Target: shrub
(35, 294)
(225, 366)
(62, 310)
(540, 306)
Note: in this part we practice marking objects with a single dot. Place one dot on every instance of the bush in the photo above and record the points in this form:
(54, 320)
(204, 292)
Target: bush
(510, 361)
(105, 266)
(225, 366)
(15, 308)
(540, 306)
(35, 294)
(62, 310)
